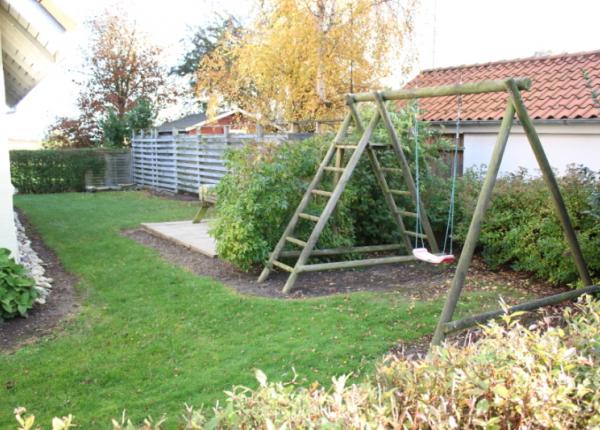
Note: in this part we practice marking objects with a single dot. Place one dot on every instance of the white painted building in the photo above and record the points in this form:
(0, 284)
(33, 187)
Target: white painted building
(561, 102)
(30, 34)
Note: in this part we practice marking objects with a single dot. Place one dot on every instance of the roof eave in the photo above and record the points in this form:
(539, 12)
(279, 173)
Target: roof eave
(495, 122)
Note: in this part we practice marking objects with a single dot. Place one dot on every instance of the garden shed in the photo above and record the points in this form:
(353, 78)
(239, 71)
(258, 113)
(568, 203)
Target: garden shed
(561, 101)
(238, 120)
(30, 34)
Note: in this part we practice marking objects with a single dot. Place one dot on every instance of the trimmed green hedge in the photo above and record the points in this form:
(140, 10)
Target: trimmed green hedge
(53, 170)
(521, 229)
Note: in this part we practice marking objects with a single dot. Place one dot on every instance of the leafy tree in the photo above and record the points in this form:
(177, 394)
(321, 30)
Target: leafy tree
(116, 130)
(203, 42)
(297, 58)
(120, 69)
(68, 133)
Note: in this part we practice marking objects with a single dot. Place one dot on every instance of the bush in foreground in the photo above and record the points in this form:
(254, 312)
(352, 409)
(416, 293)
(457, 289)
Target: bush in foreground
(512, 378)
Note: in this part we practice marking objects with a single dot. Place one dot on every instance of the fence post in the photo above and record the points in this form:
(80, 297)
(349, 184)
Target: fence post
(154, 134)
(174, 133)
(198, 148)
(260, 132)
(132, 160)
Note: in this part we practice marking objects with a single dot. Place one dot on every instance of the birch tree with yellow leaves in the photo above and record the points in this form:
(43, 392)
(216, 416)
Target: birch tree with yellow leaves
(297, 58)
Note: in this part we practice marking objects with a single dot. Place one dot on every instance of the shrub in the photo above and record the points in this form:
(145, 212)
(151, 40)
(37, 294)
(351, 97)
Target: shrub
(257, 199)
(53, 171)
(512, 378)
(17, 289)
(266, 182)
(521, 229)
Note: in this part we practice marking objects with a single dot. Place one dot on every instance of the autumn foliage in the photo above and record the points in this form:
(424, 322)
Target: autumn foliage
(296, 60)
(121, 71)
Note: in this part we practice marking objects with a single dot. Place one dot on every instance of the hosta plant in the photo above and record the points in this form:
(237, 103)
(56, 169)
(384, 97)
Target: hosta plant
(17, 289)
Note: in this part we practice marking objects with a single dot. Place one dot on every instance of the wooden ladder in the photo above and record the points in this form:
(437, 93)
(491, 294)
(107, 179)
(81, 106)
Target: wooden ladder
(342, 175)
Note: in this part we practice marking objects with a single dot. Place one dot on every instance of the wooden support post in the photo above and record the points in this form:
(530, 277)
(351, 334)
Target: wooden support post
(332, 202)
(305, 199)
(408, 179)
(493, 86)
(466, 255)
(346, 250)
(551, 183)
(260, 132)
(350, 264)
(339, 160)
(526, 306)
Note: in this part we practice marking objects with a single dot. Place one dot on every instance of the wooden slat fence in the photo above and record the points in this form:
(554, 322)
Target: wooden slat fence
(180, 162)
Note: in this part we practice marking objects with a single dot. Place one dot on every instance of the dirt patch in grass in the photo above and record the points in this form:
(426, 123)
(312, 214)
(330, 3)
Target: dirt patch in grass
(42, 319)
(420, 281)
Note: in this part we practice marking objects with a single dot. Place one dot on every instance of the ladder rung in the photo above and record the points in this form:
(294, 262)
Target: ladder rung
(380, 145)
(333, 169)
(414, 234)
(400, 192)
(295, 241)
(343, 146)
(407, 213)
(391, 170)
(283, 266)
(308, 217)
(321, 193)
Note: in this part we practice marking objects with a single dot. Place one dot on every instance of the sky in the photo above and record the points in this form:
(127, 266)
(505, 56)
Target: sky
(448, 33)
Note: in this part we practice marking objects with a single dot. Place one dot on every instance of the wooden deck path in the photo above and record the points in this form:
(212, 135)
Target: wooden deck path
(192, 236)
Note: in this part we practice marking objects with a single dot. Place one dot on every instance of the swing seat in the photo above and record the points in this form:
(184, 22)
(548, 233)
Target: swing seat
(424, 255)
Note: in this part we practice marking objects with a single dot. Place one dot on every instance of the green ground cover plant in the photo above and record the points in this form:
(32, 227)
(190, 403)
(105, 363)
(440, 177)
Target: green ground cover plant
(17, 289)
(149, 337)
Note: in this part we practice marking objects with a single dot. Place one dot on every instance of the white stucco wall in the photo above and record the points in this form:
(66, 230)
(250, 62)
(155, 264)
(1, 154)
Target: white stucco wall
(563, 144)
(8, 237)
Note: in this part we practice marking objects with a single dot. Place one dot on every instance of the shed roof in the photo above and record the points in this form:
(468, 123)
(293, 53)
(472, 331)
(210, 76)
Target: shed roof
(182, 123)
(561, 88)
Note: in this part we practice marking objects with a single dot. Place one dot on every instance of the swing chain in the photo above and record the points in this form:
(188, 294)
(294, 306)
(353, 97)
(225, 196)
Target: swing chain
(448, 237)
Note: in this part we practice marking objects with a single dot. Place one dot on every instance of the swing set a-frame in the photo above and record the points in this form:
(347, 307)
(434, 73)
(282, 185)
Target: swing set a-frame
(342, 175)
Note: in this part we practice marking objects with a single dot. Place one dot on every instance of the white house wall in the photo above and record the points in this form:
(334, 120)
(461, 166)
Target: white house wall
(563, 144)
(8, 238)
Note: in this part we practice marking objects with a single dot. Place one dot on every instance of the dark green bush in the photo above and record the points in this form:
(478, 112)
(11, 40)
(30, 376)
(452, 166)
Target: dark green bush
(257, 199)
(53, 171)
(521, 229)
(267, 181)
(17, 289)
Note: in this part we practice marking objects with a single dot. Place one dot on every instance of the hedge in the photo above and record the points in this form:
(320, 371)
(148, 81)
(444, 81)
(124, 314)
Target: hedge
(513, 377)
(521, 229)
(54, 170)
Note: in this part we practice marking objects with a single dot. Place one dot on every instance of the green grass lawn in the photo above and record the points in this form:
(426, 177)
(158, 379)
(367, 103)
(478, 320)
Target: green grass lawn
(151, 337)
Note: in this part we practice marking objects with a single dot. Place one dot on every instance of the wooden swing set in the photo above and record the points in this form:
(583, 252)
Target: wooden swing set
(343, 173)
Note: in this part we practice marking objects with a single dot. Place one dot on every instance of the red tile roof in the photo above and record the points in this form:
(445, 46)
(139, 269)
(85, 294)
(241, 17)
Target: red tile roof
(558, 91)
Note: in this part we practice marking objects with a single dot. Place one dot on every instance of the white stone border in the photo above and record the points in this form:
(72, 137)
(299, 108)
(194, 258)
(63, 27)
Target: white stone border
(33, 264)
